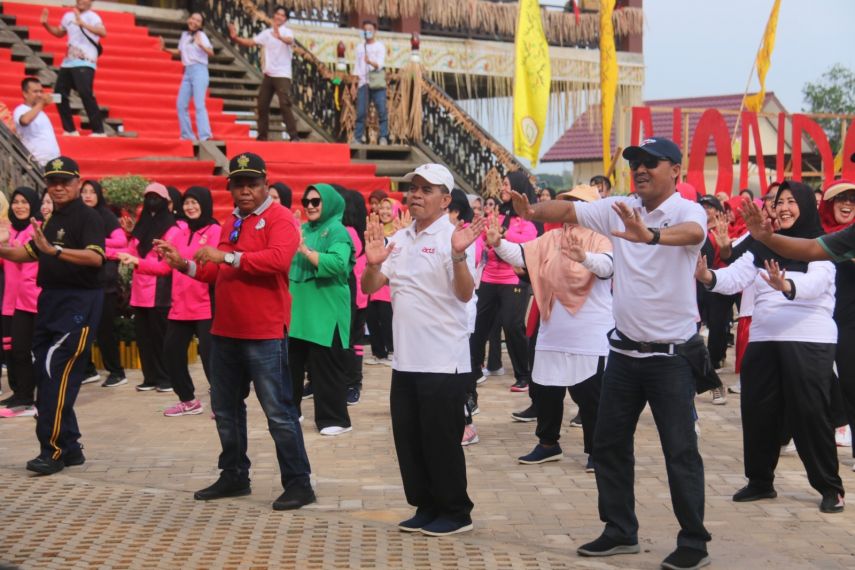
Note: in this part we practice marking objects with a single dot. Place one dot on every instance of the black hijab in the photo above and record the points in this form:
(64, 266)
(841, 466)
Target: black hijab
(285, 194)
(177, 202)
(111, 222)
(206, 205)
(32, 197)
(519, 183)
(154, 220)
(807, 226)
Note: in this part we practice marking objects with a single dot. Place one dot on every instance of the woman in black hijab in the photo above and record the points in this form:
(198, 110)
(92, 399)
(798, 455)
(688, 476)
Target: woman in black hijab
(787, 372)
(108, 343)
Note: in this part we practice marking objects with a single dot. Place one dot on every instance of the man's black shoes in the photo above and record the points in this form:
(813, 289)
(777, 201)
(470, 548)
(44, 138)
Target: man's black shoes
(45, 465)
(294, 497)
(605, 546)
(225, 487)
(753, 493)
(685, 558)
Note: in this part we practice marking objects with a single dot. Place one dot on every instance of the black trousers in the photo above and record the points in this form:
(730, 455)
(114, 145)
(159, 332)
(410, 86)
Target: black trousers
(6, 329)
(150, 327)
(20, 364)
(427, 427)
(378, 316)
(355, 353)
(719, 317)
(175, 345)
(793, 379)
(282, 87)
(327, 368)
(505, 304)
(550, 407)
(107, 340)
(845, 359)
(79, 79)
(494, 348)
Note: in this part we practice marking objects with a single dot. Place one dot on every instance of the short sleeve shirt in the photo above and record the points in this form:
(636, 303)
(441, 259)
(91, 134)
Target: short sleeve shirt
(277, 54)
(76, 226)
(429, 324)
(38, 136)
(376, 53)
(840, 246)
(654, 285)
(192, 54)
(81, 52)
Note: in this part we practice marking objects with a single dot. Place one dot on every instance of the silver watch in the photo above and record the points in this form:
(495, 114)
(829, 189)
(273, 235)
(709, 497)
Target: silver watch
(230, 259)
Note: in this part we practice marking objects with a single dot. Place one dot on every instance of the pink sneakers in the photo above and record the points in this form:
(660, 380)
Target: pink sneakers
(18, 412)
(190, 408)
(470, 435)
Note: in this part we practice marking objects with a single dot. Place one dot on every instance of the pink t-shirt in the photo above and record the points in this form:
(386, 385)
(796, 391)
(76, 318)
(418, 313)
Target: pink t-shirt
(497, 271)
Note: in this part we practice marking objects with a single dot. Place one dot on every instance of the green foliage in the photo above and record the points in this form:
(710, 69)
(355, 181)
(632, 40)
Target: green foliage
(834, 92)
(558, 182)
(124, 191)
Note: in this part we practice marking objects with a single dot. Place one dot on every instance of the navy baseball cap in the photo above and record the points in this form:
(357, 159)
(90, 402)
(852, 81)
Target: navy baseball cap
(660, 147)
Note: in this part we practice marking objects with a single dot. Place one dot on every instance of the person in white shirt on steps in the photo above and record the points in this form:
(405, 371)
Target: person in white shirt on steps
(369, 68)
(84, 29)
(32, 123)
(278, 43)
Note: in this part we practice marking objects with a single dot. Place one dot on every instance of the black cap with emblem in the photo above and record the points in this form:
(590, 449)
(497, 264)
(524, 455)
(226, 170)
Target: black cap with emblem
(247, 164)
(62, 167)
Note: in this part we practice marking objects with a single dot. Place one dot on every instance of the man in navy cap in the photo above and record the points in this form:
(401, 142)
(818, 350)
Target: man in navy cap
(69, 248)
(656, 235)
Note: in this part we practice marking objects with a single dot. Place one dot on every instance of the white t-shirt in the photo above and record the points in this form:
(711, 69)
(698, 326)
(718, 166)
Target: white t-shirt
(376, 53)
(430, 325)
(655, 296)
(81, 52)
(38, 136)
(807, 318)
(192, 54)
(277, 54)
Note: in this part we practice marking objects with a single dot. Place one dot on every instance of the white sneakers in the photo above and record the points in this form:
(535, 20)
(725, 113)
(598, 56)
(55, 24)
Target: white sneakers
(335, 430)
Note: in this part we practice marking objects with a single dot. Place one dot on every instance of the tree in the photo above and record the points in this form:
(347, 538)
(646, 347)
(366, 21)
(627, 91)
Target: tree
(834, 92)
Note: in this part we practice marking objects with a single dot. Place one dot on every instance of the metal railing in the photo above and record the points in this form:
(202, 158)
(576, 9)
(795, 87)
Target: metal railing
(17, 167)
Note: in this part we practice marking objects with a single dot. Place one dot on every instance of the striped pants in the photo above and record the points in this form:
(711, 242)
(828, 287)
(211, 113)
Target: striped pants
(65, 328)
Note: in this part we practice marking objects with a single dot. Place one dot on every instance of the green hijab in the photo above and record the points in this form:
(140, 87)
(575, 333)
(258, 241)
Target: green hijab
(321, 234)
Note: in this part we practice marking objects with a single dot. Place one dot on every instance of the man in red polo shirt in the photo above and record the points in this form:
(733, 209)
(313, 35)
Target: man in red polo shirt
(250, 269)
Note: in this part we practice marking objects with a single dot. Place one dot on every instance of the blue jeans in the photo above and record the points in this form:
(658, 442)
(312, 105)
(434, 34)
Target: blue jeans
(234, 364)
(194, 84)
(378, 97)
(665, 382)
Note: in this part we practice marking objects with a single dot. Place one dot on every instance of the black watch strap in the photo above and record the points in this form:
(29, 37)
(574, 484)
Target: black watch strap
(656, 236)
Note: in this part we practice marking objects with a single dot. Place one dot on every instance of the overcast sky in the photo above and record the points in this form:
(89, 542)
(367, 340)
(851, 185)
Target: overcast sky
(698, 47)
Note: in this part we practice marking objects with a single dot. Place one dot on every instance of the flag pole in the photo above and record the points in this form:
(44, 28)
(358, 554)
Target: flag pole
(745, 93)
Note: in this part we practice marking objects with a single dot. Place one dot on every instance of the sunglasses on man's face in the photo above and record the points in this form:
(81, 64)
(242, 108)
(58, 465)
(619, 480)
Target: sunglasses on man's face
(313, 202)
(233, 237)
(649, 163)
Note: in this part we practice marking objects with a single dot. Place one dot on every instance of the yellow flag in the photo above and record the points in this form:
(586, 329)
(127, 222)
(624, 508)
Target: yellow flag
(532, 79)
(764, 60)
(608, 77)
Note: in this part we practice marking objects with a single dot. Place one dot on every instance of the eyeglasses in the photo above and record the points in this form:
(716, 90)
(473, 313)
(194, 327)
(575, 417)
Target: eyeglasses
(649, 163)
(845, 197)
(233, 237)
(313, 202)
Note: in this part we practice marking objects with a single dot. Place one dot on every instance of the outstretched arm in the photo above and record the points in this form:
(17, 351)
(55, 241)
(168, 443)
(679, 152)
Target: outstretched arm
(800, 249)
(551, 211)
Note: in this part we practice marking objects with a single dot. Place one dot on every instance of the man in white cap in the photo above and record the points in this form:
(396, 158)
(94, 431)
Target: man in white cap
(429, 266)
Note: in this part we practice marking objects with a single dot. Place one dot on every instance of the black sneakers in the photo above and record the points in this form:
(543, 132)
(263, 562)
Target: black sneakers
(114, 380)
(45, 465)
(753, 493)
(685, 558)
(295, 496)
(527, 415)
(832, 502)
(226, 486)
(605, 546)
(422, 518)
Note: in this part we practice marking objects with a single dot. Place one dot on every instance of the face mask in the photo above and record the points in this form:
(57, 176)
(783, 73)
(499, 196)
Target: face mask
(154, 203)
(367, 34)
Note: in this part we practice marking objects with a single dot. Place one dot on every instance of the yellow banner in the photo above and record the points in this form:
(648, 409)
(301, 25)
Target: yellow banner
(532, 79)
(764, 60)
(608, 77)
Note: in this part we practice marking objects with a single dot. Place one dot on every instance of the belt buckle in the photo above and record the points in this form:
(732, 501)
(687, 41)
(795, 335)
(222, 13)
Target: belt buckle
(645, 347)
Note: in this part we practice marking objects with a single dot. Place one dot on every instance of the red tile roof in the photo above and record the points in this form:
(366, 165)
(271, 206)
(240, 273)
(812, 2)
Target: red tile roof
(583, 141)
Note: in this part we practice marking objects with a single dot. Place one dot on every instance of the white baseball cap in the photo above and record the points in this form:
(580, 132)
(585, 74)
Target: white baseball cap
(433, 173)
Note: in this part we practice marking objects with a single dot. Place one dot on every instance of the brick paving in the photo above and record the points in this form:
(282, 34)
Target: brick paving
(131, 505)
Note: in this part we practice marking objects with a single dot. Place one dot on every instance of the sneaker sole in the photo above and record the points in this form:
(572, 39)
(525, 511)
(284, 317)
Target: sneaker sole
(408, 529)
(342, 432)
(91, 380)
(514, 389)
(620, 549)
(353, 403)
(309, 397)
(719, 402)
(832, 510)
(704, 562)
(146, 389)
(191, 413)
(547, 460)
(473, 441)
(481, 380)
(233, 494)
(752, 498)
(466, 528)
(114, 384)
(522, 419)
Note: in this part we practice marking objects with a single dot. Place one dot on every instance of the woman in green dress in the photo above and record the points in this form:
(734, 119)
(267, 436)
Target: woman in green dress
(320, 311)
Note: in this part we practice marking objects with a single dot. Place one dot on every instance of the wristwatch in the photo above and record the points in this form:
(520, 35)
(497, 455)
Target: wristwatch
(656, 236)
(458, 258)
(229, 258)
(58, 250)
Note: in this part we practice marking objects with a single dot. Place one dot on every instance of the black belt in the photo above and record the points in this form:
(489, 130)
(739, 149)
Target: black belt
(623, 342)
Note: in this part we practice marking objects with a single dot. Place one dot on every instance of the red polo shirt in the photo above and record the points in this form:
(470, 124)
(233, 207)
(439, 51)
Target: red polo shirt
(252, 301)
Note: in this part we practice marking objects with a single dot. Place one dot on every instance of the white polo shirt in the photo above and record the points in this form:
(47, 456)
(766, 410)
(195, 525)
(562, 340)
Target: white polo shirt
(655, 296)
(38, 136)
(277, 54)
(429, 323)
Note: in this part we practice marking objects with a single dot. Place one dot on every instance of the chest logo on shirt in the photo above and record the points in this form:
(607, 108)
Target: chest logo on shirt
(260, 225)
(203, 240)
(429, 250)
(60, 235)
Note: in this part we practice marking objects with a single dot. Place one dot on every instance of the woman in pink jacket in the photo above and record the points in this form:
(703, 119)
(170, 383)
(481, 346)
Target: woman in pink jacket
(191, 301)
(19, 307)
(151, 295)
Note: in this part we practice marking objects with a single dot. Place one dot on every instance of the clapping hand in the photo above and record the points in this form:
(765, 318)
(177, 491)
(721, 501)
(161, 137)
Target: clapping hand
(39, 238)
(634, 228)
(403, 220)
(575, 251)
(722, 236)
(464, 236)
(776, 277)
(376, 250)
(521, 205)
(759, 228)
(494, 231)
(702, 272)
(127, 224)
